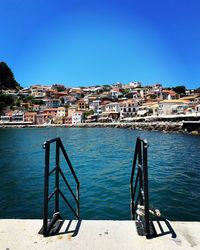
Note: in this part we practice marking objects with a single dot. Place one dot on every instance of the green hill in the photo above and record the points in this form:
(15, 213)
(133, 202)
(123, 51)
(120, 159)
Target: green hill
(7, 80)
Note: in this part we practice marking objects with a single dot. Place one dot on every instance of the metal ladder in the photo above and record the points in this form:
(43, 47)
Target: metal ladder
(52, 226)
(139, 192)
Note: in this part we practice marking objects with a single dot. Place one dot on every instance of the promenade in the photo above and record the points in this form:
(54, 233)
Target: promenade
(98, 235)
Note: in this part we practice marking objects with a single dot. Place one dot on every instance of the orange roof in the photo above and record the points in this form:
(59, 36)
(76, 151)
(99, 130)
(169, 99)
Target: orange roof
(169, 91)
(131, 101)
(30, 113)
(9, 113)
(105, 102)
(50, 109)
(61, 108)
(175, 101)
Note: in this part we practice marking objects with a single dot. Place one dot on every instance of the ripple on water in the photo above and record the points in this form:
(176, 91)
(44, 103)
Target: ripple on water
(102, 159)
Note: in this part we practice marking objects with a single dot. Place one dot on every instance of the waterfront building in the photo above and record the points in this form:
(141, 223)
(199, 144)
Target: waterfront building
(40, 118)
(46, 116)
(50, 111)
(30, 117)
(61, 112)
(68, 120)
(169, 107)
(143, 110)
(60, 116)
(197, 108)
(154, 109)
(77, 117)
(5, 118)
(71, 110)
(91, 118)
(128, 108)
(59, 120)
(17, 116)
(110, 111)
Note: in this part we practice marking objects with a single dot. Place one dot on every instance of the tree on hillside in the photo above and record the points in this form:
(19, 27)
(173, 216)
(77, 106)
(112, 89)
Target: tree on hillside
(58, 87)
(180, 90)
(7, 80)
(197, 90)
(5, 100)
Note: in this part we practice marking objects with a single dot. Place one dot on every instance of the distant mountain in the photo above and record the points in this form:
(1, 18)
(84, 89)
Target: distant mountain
(7, 80)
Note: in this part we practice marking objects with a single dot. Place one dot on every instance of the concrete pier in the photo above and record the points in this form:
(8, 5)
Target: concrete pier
(96, 235)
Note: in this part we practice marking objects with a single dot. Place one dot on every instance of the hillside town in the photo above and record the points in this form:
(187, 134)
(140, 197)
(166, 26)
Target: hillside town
(57, 104)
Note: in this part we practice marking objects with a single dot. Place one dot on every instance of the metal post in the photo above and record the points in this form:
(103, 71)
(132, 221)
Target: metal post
(57, 177)
(132, 193)
(140, 171)
(46, 188)
(78, 197)
(146, 190)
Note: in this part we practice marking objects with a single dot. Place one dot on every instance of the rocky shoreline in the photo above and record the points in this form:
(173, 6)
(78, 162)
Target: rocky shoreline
(164, 126)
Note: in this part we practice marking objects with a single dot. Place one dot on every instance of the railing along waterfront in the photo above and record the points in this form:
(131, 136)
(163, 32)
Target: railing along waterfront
(52, 226)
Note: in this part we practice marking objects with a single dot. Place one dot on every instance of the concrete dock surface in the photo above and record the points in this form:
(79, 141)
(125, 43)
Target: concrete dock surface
(18, 234)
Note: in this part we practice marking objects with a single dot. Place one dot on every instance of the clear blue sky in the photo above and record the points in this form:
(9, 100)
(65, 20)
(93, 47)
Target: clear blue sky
(85, 42)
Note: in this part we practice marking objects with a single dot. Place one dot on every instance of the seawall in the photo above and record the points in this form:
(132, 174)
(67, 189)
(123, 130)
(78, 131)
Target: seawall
(165, 126)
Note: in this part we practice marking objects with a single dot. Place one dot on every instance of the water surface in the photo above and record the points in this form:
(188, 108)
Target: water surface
(102, 158)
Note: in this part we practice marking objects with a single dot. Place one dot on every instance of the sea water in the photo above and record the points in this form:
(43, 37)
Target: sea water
(102, 159)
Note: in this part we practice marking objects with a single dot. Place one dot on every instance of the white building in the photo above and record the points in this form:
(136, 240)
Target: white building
(95, 105)
(61, 112)
(77, 117)
(111, 107)
(38, 91)
(143, 111)
(197, 108)
(18, 116)
(128, 108)
(135, 84)
(52, 103)
(169, 107)
(5, 118)
(115, 93)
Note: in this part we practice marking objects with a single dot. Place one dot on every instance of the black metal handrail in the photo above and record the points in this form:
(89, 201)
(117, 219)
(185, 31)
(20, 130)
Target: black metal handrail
(139, 186)
(48, 226)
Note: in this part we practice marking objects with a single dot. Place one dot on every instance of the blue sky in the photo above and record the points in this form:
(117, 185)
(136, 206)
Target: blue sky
(87, 42)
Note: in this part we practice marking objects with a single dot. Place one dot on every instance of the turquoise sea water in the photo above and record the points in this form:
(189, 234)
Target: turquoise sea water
(102, 159)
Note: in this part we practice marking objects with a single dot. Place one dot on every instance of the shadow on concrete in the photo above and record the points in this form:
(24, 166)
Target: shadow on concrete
(164, 227)
(71, 229)
(158, 228)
